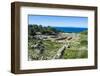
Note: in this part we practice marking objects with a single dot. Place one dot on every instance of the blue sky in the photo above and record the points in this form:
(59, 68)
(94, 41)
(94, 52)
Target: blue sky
(58, 21)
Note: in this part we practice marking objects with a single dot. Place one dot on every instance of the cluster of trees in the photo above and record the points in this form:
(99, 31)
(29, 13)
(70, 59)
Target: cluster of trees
(34, 28)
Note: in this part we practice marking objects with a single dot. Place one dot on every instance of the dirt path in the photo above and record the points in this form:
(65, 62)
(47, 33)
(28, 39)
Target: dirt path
(60, 52)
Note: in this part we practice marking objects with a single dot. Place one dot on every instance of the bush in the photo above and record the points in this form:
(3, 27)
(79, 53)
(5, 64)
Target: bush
(83, 42)
(70, 54)
(73, 54)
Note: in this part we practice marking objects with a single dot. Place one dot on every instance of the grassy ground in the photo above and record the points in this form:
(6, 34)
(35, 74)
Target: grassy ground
(50, 49)
(77, 48)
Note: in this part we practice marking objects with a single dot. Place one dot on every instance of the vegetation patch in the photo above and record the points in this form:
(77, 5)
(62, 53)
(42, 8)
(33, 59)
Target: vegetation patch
(46, 43)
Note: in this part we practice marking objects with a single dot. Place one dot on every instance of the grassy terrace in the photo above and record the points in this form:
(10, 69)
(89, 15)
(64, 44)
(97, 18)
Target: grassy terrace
(77, 45)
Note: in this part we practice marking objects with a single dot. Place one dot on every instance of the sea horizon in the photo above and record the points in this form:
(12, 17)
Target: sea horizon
(70, 29)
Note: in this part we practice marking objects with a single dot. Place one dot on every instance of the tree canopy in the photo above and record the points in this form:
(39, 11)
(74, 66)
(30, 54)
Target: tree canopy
(34, 28)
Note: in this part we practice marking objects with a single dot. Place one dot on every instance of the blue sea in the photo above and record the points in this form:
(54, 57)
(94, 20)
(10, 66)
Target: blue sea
(70, 29)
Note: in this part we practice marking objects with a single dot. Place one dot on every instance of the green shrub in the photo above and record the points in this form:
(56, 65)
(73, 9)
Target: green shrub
(70, 54)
